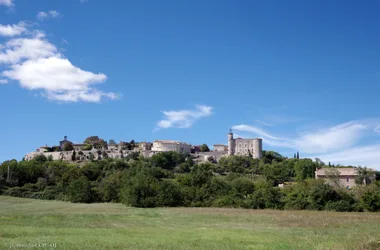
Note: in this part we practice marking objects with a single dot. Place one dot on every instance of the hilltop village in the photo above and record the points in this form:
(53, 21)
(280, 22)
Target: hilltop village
(94, 148)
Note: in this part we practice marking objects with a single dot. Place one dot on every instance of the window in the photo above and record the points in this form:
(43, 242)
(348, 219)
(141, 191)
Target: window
(347, 178)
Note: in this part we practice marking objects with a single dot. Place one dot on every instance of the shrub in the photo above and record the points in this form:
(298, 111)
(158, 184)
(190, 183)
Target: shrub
(79, 190)
(339, 206)
(227, 201)
(370, 199)
(169, 194)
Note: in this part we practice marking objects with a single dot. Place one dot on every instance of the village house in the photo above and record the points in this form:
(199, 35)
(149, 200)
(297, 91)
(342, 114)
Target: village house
(220, 148)
(342, 177)
(168, 145)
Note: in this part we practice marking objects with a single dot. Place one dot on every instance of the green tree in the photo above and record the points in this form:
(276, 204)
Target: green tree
(365, 176)
(111, 142)
(204, 148)
(73, 156)
(243, 186)
(304, 168)
(79, 190)
(68, 146)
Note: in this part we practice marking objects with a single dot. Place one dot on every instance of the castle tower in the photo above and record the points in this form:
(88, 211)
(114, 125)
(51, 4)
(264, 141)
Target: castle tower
(258, 148)
(231, 143)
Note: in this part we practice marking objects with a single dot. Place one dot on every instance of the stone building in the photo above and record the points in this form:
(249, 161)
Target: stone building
(220, 148)
(240, 146)
(168, 145)
(342, 177)
(145, 146)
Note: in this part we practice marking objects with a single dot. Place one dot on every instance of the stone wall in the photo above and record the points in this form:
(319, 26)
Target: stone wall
(82, 155)
(85, 155)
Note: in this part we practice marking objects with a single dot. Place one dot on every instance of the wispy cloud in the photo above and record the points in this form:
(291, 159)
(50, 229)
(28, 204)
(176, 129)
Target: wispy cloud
(3, 81)
(264, 123)
(42, 15)
(183, 118)
(7, 3)
(368, 156)
(377, 129)
(335, 144)
(37, 64)
(12, 30)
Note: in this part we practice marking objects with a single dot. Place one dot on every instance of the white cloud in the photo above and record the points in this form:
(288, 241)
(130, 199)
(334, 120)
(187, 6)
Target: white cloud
(42, 15)
(7, 3)
(264, 123)
(3, 81)
(325, 140)
(320, 141)
(27, 48)
(37, 64)
(184, 118)
(377, 129)
(366, 156)
(255, 130)
(337, 144)
(54, 13)
(12, 30)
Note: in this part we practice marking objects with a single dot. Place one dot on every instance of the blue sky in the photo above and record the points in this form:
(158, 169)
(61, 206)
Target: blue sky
(302, 75)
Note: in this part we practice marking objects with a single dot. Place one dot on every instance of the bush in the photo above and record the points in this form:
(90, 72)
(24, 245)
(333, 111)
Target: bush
(267, 197)
(169, 194)
(339, 206)
(109, 188)
(79, 190)
(370, 199)
(227, 201)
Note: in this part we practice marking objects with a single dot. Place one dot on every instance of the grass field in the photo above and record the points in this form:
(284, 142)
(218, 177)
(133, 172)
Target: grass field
(114, 226)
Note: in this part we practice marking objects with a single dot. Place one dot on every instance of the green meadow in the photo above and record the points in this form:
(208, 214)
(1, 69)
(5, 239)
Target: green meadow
(25, 223)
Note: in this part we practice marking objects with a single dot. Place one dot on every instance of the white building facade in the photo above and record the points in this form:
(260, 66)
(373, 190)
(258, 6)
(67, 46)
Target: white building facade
(168, 145)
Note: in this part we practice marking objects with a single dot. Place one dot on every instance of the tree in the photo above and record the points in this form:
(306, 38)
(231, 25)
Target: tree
(133, 144)
(73, 156)
(95, 141)
(79, 190)
(204, 148)
(365, 176)
(68, 146)
(304, 168)
(111, 142)
(332, 175)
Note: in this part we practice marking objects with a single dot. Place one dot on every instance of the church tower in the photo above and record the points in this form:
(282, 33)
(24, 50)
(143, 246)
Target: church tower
(231, 143)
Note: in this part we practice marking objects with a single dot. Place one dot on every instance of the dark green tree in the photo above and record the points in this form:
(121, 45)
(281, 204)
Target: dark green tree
(204, 148)
(68, 146)
(79, 190)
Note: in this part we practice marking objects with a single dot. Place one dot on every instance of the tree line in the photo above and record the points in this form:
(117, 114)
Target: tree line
(174, 179)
